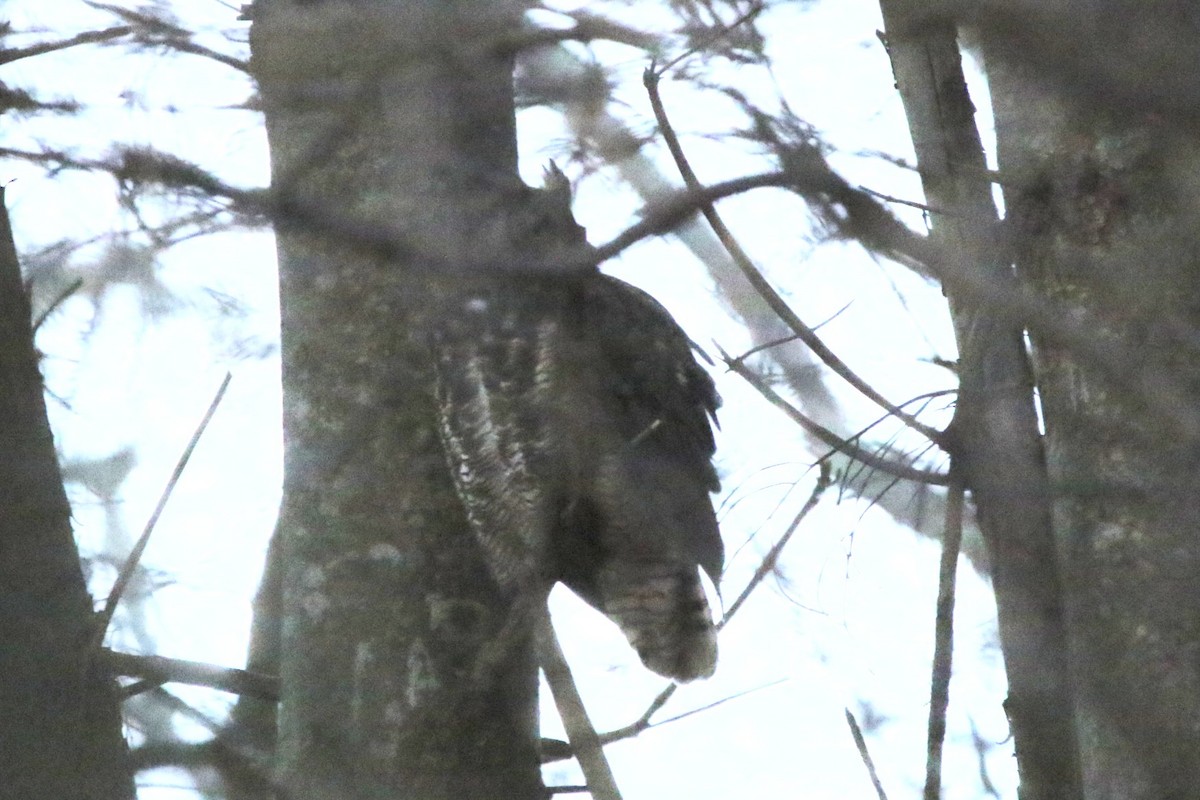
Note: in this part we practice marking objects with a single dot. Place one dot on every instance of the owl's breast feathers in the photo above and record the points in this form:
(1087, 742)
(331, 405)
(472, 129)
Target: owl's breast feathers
(576, 422)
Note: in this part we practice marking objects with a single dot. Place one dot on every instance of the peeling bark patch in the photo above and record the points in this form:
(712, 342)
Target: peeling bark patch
(422, 679)
(314, 600)
(385, 552)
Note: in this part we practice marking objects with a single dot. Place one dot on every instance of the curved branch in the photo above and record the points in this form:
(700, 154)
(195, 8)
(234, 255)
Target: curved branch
(760, 284)
(856, 215)
(664, 216)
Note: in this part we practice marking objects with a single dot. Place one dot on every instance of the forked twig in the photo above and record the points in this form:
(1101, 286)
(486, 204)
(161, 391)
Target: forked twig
(713, 36)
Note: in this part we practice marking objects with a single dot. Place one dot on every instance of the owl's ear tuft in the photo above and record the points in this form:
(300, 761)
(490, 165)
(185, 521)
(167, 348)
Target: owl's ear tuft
(557, 184)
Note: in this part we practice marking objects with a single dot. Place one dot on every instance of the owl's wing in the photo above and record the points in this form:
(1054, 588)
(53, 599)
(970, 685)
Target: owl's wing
(488, 354)
(646, 521)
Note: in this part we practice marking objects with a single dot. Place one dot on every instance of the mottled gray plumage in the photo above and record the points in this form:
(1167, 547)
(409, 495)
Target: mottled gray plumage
(576, 424)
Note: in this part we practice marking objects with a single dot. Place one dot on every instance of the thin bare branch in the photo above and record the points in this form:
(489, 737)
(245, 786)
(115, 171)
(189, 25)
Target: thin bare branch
(943, 643)
(556, 750)
(901, 201)
(626, 732)
(589, 27)
(104, 618)
(995, 442)
(860, 743)
(53, 159)
(192, 48)
(663, 216)
(157, 670)
(982, 746)
(829, 437)
(716, 34)
(153, 30)
(144, 165)
(772, 557)
(582, 735)
(856, 215)
(709, 706)
(650, 78)
(41, 48)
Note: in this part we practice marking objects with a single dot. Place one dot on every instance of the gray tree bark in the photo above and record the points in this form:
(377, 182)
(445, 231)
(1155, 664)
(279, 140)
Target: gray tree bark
(993, 437)
(398, 677)
(60, 716)
(1100, 173)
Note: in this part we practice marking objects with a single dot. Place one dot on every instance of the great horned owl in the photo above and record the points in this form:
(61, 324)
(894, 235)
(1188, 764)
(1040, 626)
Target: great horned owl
(575, 420)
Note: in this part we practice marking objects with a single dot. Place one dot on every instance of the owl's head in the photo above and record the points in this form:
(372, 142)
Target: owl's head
(547, 231)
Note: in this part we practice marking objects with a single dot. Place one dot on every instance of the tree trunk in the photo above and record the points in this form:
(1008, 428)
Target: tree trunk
(392, 140)
(993, 438)
(1103, 199)
(60, 718)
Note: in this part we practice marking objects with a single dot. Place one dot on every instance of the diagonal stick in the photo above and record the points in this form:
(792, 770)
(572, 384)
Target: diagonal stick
(127, 569)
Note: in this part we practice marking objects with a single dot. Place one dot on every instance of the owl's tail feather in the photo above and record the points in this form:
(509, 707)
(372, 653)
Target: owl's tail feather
(662, 610)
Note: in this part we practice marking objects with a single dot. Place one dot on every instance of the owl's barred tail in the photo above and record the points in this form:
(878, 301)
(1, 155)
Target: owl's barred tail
(662, 610)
